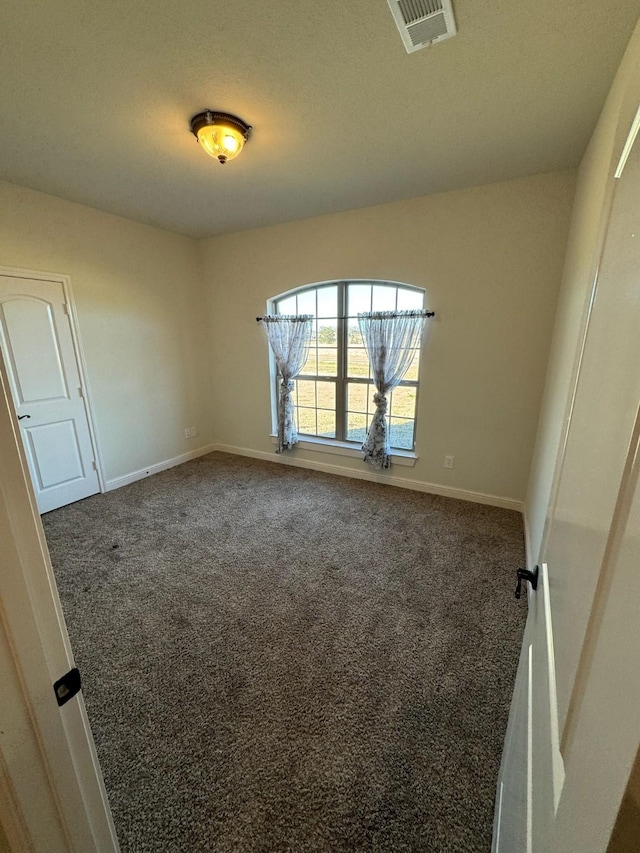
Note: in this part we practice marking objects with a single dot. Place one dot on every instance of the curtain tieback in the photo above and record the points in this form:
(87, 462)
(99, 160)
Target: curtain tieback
(381, 402)
(287, 385)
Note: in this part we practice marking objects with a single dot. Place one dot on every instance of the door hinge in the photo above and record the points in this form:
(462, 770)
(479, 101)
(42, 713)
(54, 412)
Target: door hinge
(66, 687)
(80, 392)
(94, 465)
(65, 308)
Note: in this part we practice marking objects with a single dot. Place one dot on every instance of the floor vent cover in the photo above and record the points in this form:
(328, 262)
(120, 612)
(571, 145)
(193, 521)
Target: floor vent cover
(423, 22)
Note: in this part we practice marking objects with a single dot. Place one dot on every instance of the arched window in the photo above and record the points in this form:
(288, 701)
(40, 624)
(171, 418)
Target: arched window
(334, 393)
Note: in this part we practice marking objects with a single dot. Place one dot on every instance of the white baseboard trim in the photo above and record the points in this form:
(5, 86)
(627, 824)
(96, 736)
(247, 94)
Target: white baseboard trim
(385, 479)
(118, 482)
(325, 467)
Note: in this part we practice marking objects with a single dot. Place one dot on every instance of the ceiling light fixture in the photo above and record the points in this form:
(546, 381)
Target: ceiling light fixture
(221, 135)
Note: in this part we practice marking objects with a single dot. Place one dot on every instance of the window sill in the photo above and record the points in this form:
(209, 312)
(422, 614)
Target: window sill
(342, 448)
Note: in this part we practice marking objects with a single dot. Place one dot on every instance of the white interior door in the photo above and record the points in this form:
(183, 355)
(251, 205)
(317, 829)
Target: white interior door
(575, 760)
(52, 796)
(38, 349)
(601, 742)
(510, 831)
(532, 773)
(600, 432)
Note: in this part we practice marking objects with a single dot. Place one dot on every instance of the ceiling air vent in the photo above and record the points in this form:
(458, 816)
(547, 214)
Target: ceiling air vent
(423, 22)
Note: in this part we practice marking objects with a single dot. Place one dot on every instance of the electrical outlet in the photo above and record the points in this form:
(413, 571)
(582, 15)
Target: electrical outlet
(448, 461)
(187, 432)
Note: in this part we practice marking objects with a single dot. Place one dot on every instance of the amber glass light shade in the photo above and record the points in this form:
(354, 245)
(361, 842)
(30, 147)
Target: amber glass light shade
(221, 135)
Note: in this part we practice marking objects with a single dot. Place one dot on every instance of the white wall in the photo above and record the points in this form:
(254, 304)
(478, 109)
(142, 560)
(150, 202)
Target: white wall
(589, 219)
(138, 294)
(490, 259)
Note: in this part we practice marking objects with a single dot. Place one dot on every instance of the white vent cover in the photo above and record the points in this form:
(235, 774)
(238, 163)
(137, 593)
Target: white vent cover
(423, 22)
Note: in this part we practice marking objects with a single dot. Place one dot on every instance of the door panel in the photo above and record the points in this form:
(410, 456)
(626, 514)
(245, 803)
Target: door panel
(50, 781)
(606, 400)
(582, 626)
(37, 345)
(532, 772)
(55, 453)
(511, 833)
(33, 351)
(606, 723)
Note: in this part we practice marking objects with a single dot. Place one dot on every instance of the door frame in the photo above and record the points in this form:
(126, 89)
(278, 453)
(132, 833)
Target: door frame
(78, 349)
(53, 794)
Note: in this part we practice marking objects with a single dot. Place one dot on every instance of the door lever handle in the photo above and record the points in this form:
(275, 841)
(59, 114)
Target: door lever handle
(20, 417)
(526, 575)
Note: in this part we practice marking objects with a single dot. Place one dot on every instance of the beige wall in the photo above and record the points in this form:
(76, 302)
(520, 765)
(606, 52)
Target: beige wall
(490, 259)
(590, 214)
(137, 291)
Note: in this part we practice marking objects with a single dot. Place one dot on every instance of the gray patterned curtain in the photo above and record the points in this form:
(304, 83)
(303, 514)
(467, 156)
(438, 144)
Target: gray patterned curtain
(390, 337)
(289, 336)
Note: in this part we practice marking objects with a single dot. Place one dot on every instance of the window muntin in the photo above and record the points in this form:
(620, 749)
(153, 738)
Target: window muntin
(333, 397)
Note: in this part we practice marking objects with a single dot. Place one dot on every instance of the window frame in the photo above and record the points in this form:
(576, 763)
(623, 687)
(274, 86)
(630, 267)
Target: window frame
(341, 379)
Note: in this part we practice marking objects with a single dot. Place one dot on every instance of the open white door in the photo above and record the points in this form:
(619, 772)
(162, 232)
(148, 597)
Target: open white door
(45, 380)
(602, 735)
(52, 797)
(580, 677)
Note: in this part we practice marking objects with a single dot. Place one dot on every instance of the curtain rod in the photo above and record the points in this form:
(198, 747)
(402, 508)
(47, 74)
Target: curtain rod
(350, 317)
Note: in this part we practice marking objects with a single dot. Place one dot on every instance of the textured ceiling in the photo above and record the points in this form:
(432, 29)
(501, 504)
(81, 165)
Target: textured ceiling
(95, 102)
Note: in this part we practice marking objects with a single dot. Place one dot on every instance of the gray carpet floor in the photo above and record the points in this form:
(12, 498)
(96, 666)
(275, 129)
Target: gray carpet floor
(279, 660)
